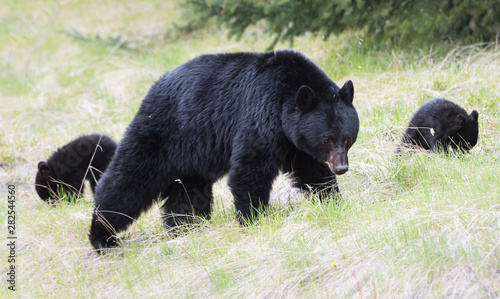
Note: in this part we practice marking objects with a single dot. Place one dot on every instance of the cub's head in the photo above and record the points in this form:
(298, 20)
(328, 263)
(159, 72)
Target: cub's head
(467, 131)
(324, 124)
(45, 183)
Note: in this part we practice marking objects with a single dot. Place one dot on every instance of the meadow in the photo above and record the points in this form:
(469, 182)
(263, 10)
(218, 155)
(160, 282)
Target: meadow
(424, 226)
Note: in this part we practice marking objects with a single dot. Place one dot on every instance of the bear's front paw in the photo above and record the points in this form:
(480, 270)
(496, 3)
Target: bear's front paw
(245, 219)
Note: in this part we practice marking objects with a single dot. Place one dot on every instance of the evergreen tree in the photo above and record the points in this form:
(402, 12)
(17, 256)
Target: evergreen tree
(398, 21)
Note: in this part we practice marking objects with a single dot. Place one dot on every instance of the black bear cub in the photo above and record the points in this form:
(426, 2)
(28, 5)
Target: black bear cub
(248, 115)
(83, 158)
(440, 124)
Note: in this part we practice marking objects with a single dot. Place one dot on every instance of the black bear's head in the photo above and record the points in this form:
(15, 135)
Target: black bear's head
(325, 124)
(466, 131)
(45, 184)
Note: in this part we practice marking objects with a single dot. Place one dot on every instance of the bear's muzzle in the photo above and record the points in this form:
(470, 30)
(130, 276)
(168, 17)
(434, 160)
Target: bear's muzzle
(337, 161)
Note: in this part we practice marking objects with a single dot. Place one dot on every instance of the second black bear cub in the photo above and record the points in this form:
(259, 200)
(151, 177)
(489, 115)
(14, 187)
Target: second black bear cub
(83, 158)
(440, 124)
(247, 115)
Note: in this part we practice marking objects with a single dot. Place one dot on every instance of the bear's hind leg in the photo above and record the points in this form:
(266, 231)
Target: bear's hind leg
(187, 198)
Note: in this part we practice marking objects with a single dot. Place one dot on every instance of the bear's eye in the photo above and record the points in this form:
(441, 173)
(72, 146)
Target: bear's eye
(347, 140)
(327, 141)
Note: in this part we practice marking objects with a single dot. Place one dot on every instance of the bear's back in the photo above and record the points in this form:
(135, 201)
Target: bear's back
(78, 154)
(438, 112)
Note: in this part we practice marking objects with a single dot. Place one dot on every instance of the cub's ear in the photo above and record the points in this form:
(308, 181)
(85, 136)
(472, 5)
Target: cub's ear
(347, 92)
(305, 98)
(460, 120)
(474, 115)
(44, 168)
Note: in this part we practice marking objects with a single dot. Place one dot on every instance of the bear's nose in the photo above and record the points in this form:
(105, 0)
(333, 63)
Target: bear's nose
(341, 169)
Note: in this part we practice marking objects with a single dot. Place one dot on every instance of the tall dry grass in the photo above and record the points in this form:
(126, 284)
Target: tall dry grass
(427, 225)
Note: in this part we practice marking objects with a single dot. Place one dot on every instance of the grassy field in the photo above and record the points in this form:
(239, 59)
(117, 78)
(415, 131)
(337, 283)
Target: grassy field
(425, 226)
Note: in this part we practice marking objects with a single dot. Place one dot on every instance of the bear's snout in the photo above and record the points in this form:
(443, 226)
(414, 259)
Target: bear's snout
(338, 170)
(337, 162)
(341, 169)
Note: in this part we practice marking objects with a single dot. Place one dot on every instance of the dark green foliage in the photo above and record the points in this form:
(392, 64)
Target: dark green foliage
(111, 41)
(401, 22)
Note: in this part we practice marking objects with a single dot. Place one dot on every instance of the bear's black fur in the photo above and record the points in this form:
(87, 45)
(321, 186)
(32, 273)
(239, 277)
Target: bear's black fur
(243, 114)
(440, 124)
(83, 158)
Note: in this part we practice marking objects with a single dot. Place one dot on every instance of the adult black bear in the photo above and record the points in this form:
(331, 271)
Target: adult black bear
(83, 158)
(245, 114)
(440, 124)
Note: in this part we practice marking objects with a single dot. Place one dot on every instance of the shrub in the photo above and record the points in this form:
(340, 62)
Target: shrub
(400, 22)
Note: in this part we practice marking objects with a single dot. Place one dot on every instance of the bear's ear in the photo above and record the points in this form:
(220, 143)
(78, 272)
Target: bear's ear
(305, 98)
(44, 168)
(347, 92)
(474, 115)
(460, 120)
